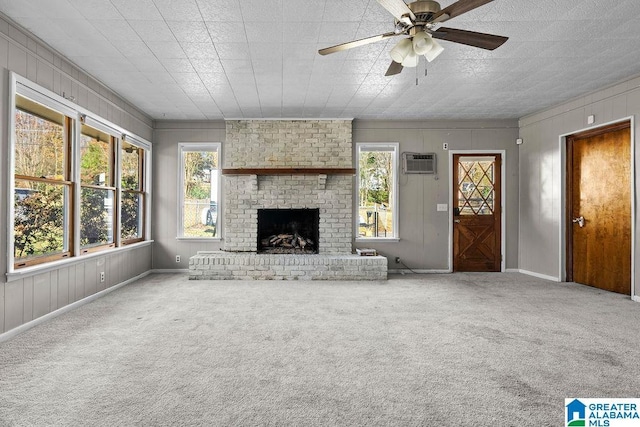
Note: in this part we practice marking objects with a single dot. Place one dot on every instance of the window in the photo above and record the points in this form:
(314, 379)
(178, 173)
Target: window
(199, 190)
(77, 183)
(132, 212)
(377, 190)
(43, 189)
(97, 192)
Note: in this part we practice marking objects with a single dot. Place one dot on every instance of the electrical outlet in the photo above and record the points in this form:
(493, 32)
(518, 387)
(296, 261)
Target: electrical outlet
(102, 277)
(445, 146)
(177, 258)
(397, 260)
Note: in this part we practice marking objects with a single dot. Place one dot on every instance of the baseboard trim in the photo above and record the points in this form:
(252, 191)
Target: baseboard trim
(539, 276)
(635, 298)
(170, 271)
(417, 271)
(67, 308)
(512, 270)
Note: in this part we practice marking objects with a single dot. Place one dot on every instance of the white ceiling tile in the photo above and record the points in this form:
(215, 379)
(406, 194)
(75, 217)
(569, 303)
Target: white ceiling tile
(177, 65)
(147, 64)
(206, 65)
(96, 9)
(233, 32)
(235, 65)
(116, 29)
(270, 52)
(337, 32)
(344, 10)
(198, 51)
(167, 49)
(189, 31)
(179, 10)
(262, 10)
(152, 31)
(53, 9)
(220, 10)
(264, 32)
(305, 11)
(162, 78)
(301, 32)
(233, 51)
(132, 48)
(213, 79)
(138, 9)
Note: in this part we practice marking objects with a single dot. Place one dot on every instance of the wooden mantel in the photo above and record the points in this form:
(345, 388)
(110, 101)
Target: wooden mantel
(290, 171)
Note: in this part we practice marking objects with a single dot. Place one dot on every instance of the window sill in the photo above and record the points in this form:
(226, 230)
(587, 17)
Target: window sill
(55, 265)
(378, 239)
(199, 239)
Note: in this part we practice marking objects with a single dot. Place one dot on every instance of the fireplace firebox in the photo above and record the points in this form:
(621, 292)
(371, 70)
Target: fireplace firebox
(288, 231)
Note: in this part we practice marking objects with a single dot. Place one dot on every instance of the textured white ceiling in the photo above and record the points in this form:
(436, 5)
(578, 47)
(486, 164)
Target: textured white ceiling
(214, 59)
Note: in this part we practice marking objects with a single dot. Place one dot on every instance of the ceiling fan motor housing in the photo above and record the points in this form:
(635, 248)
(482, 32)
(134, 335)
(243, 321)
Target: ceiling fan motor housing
(424, 10)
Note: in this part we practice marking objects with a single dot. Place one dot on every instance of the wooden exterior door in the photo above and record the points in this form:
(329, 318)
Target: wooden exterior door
(599, 208)
(477, 212)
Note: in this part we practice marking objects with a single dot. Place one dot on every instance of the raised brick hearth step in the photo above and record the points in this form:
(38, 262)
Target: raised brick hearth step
(247, 266)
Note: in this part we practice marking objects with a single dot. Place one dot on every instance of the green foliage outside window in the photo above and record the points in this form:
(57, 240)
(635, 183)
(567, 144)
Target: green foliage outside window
(38, 220)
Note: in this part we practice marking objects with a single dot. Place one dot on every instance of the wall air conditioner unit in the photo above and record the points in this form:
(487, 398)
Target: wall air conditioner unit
(419, 163)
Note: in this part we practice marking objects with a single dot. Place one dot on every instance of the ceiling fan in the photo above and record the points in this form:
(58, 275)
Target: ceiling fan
(418, 20)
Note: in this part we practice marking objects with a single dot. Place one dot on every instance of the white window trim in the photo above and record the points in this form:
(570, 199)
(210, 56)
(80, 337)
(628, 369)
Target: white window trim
(386, 146)
(22, 86)
(198, 146)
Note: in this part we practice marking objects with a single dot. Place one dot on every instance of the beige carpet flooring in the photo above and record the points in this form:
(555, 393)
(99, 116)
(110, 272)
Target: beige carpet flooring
(416, 350)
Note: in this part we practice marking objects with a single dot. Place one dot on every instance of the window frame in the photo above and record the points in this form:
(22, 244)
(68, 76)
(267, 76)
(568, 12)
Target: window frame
(66, 183)
(394, 148)
(140, 191)
(184, 147)
(21, 86)
(114, 144)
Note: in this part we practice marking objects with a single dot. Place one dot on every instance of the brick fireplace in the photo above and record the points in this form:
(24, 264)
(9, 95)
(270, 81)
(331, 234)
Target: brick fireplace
(288, 165)
(288, 144)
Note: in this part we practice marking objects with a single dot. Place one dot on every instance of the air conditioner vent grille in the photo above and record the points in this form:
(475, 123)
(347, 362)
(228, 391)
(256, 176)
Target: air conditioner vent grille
(424, 163)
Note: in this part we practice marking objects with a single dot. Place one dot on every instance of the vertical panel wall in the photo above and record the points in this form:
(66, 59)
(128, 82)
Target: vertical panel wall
(542, 166)
(28, 298)
(424, 232)
(166, 166)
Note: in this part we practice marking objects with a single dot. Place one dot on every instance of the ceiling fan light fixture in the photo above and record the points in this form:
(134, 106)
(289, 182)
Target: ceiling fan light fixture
(411, 60)
(436, 49)
(401, 50)
(422, 43)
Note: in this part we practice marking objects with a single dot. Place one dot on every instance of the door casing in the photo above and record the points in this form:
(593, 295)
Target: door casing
(562, 274)
(503, 197)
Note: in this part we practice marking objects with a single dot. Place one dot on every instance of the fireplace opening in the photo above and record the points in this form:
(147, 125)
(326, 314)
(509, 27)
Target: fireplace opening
(288, 231)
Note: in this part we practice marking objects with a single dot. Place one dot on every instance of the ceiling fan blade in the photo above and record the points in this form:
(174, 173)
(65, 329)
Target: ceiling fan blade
(470, 38)
(398, 8)
(355, 43)
(394, 68)
(457, 8)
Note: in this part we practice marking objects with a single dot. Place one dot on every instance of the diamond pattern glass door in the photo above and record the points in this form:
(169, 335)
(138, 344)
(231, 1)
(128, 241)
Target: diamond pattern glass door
(477, 213)
(476, 186)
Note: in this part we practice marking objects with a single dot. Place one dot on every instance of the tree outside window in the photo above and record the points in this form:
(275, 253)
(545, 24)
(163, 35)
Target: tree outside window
(97, 215)
(132, 193)
(377, 215)
(199, 176)
(42, 202)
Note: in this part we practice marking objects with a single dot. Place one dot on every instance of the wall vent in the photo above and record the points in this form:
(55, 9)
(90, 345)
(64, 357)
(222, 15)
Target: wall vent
(419, 163)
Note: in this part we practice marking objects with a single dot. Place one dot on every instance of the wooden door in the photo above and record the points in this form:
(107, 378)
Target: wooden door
(599, 208)
(477, 212)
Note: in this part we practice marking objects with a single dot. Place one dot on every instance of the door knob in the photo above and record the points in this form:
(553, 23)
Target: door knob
(579, 221)
(456, 221)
